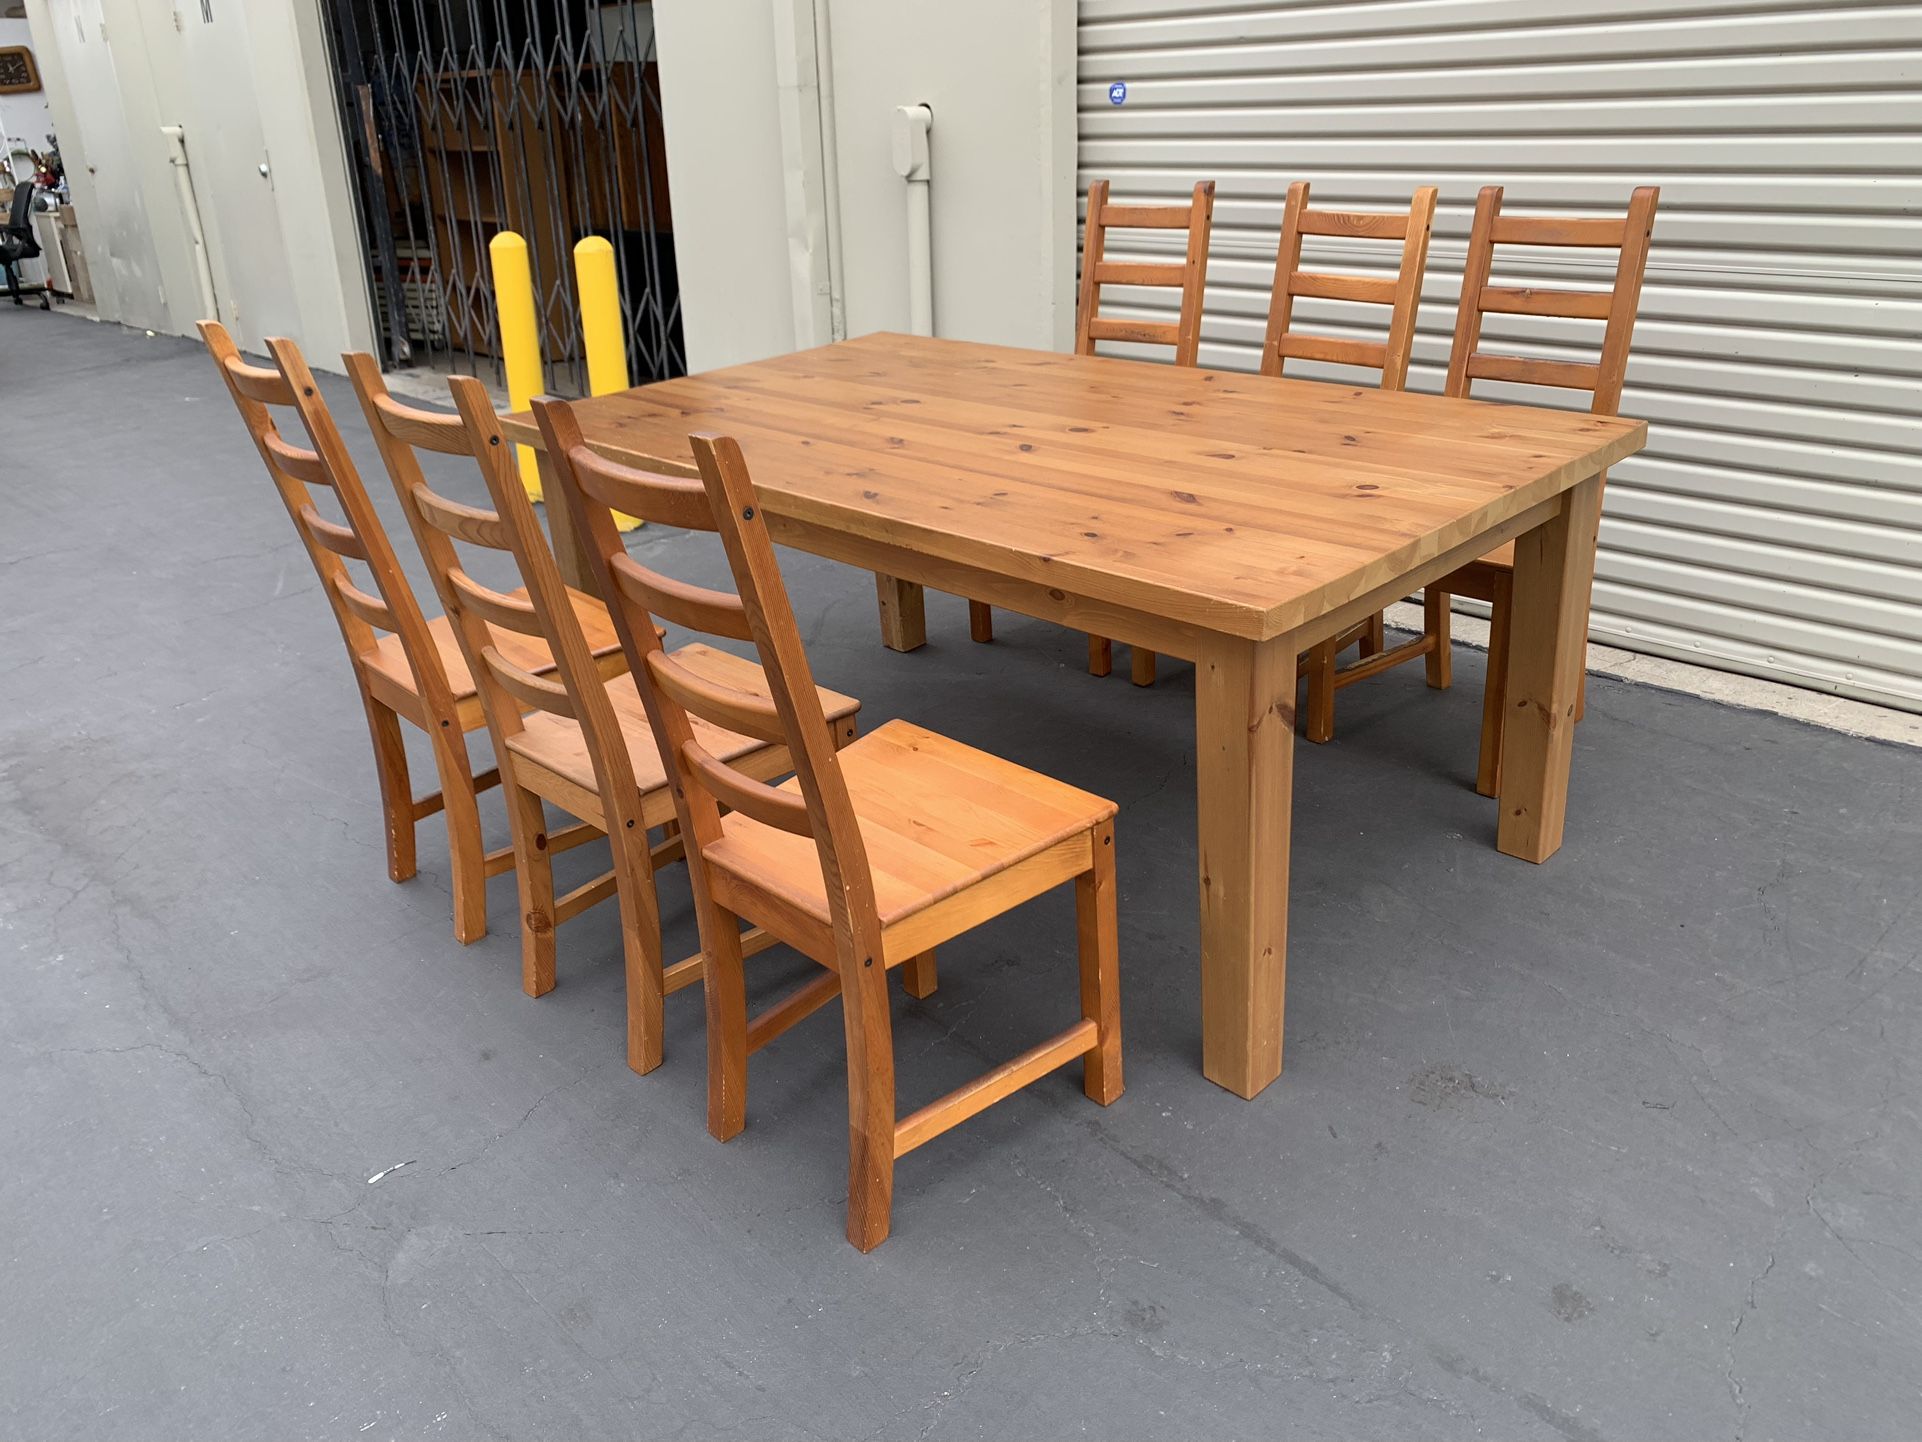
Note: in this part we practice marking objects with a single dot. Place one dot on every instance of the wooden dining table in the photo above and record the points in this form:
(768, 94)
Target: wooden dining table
(1233, 520)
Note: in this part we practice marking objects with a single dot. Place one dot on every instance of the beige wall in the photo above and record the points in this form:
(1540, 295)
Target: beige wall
(719, 109)
(250, 88)
(751, 193)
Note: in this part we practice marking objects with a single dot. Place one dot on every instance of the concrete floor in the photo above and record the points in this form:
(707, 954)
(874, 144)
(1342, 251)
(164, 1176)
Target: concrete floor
(1624, 1146)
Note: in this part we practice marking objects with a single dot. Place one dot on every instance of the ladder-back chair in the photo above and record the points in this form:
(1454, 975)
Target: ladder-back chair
(406, 666)
(1389, 356)
(610, 743)
(874, 853)
(670, 495)
(1188, 275)
(548, 734)
(1492, 577)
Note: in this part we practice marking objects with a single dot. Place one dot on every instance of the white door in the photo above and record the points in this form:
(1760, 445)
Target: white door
(232, 170)
(1774, 524)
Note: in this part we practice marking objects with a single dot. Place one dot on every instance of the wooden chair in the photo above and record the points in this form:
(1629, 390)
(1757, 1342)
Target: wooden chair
(1389, 356)
(1183, 333)
(877, 851)
(578, 740)
(1491, 578)
(406, 666)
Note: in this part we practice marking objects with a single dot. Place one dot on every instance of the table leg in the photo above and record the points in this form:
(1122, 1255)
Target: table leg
(568, 555)
(904, 617)
(1547, 645)
(1244, 784)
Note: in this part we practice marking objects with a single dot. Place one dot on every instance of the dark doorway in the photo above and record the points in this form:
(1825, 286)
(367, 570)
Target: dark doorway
(470, 117)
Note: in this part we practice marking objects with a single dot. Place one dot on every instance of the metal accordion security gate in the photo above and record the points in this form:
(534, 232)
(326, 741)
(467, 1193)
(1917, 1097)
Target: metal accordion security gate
(470, 117)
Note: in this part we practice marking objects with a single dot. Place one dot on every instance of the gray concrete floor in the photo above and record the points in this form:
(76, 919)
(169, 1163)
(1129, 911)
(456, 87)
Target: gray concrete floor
(1623, 1146)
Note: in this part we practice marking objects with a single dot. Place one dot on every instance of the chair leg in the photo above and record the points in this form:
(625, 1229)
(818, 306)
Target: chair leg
(1435, 620)
(396, 789)
(640, 910)
(1094, 907)
(466, 852)
(1141, 666)
(1581, 690)
(918, 976)
(871, 1120)
(981, 621)
(1488, 771)
(534, 876)
(724, 989)
(1100, 655)
(1375, 639)
(1320, 718)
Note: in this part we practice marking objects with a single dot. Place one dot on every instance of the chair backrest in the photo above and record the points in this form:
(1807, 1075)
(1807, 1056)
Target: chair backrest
(1189, 275)
(1401, 293)
(514, 527)
(1616, 307)
(359, 536)
(506, 690)
(21, 216)
(676, 696)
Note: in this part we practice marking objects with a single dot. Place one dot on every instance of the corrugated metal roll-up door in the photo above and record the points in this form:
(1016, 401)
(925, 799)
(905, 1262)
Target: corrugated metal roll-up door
(1774, 524)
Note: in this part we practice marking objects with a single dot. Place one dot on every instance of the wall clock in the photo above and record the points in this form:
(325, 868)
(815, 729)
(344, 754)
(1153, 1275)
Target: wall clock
(17, 71)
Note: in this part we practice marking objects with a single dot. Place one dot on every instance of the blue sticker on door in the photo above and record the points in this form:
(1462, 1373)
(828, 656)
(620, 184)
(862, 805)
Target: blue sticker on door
(1118, 93)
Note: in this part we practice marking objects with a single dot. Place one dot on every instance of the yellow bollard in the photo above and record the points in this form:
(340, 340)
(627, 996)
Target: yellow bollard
(601, 328)
(520, 337)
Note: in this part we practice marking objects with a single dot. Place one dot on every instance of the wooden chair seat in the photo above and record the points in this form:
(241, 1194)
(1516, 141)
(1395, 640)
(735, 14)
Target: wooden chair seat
(388, 662)
(938, 819)
(558, 746)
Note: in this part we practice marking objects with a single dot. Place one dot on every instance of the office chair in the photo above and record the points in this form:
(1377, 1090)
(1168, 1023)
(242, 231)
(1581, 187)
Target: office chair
(17, 243)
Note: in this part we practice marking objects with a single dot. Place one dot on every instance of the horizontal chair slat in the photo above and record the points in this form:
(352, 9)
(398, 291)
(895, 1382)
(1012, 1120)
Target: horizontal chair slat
(370, 609)
(1574, 375)
(769, 805)
(741, 712)
(712, 613)
(1558, 230)
(1148, 332)
(338, 539)
(464, 523)
(1570, 304)
(296, 461)
(662, 498)
(1120, 272)
(426, 429)
(258, 383)
(1376, 289)
(536, 693)
(1147, 217)
(1366, 224)
(512, 613)
(1334, 350)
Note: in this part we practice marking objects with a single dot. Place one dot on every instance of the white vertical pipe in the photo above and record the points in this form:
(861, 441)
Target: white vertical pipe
(830, 170)
(911, 125)
(920, 261)
(184, 185)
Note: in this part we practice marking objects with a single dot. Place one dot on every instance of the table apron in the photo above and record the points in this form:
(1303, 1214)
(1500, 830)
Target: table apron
(1047, 603)
(1334, 622)
(1123, 623)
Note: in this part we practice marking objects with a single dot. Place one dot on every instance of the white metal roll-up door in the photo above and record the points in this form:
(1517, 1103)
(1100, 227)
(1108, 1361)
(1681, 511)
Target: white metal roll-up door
(1774, 524)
